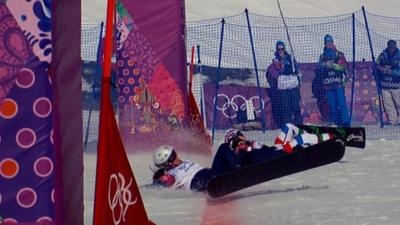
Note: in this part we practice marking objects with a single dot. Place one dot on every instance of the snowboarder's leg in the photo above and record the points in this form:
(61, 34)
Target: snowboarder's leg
(306, 140)
(200, 180)
(224, 160)
(286, 134)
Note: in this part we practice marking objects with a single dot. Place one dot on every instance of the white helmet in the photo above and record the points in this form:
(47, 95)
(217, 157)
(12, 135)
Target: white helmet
(163, 155)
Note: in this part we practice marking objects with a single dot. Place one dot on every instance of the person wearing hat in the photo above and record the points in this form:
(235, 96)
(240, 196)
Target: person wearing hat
(331, 69)
(388, 70)
(284, 90)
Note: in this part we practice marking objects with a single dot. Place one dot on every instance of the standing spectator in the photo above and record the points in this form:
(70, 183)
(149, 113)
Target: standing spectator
(284, 90)
(318, 92)
(388, 70)
(331, 69)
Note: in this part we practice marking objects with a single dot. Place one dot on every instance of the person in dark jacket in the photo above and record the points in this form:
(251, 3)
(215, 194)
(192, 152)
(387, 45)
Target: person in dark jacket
(318, 91)
(284, 90)
(388, 70)
(331, 69)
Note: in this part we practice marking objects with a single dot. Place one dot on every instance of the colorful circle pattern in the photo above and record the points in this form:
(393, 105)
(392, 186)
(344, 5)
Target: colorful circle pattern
(25, 138)
(26, 141)
(8, 109)
(25, 78)
(42, 107)
(43, 167)
(26, 197)
(9, 168)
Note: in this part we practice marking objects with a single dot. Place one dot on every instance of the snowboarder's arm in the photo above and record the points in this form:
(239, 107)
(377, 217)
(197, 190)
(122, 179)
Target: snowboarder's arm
(165, 180)
(162, 179)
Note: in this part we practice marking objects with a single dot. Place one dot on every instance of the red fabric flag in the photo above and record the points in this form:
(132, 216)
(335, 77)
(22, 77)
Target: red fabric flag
(195, 118)
(117, 197)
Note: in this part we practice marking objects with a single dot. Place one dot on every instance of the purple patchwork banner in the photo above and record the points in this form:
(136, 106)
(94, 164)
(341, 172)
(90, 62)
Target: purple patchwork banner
(152, 79)
(233, 97)
(27, 177)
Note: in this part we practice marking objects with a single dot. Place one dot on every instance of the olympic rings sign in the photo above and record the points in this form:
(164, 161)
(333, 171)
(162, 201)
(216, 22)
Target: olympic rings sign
(230, 106)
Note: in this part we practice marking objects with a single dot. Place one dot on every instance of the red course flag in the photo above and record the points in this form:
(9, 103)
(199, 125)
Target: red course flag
(117, 197)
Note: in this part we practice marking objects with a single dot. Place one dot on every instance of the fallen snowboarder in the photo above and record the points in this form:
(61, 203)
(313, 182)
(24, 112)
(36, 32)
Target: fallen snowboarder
(237, 155)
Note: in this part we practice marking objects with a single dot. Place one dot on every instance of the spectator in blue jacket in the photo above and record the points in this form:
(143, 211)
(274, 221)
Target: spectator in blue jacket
(284, 90)
(331, 69)
(388, 70)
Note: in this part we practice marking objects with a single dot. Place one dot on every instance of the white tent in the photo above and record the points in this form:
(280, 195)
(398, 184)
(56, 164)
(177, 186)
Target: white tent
(95, 10)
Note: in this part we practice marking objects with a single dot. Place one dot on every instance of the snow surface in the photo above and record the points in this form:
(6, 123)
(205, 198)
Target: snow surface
(363, 188)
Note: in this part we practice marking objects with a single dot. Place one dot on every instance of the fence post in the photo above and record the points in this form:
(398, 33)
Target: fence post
(354, 68)
(377, 80)
(93, 85)
(202, 102)
(218, 76)
(256, 70)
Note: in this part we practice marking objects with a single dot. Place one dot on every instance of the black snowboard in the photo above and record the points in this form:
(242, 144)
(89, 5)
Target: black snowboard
(352, 136)
(300, 160)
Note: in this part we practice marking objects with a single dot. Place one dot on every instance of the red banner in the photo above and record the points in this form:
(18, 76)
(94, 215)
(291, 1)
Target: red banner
(117, 197)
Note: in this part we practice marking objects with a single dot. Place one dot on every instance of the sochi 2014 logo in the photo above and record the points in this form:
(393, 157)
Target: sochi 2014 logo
(119, 197)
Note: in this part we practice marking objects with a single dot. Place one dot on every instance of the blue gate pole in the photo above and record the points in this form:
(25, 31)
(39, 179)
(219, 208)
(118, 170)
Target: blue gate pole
(256, 69)
(96, 70)
(202, 103)
(354, 67)
(377, 80)
(99, 54)
(218, 75)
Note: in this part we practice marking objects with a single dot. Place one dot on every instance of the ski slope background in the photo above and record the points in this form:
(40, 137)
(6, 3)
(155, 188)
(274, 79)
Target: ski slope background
(94, 11)
(363, 188)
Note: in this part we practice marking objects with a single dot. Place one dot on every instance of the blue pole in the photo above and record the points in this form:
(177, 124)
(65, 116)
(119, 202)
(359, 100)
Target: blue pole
(94, 83)
(256, 69)
(199, 66)
(99, 53)
(202, 104)
(218, 75)
(354, 67)
(377, 80)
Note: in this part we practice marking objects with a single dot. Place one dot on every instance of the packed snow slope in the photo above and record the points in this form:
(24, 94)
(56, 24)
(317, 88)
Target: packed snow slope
(363, 188)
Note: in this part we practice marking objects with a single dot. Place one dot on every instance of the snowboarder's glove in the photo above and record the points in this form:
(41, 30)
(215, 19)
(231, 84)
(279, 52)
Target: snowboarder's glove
(157, 174)
(166, 180)
(161, 179)
(244, 146)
